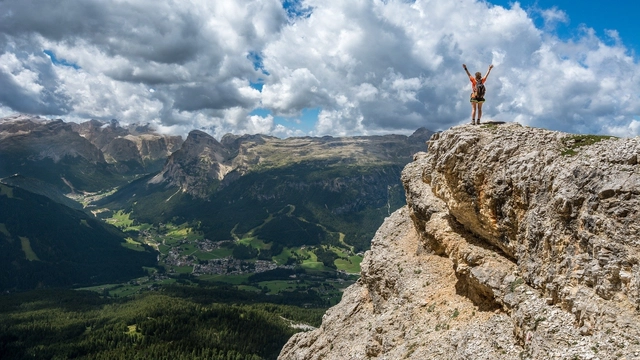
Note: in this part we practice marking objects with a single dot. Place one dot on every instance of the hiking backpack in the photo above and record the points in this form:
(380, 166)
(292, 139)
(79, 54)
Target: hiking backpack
(480, 89)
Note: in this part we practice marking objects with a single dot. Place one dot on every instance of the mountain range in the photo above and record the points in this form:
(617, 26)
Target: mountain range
(343, 184)
(502, 241)
(87, 157)
(314, 202)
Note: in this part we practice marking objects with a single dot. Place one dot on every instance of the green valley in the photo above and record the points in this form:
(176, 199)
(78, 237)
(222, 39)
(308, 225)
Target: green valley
(224, 253)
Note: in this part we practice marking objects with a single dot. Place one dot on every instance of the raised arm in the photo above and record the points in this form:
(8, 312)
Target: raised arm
(486, 76)
(465, 69)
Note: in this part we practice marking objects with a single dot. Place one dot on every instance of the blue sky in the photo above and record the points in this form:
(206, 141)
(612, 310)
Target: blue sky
(321, 67)
(599, 15)
(56, 61)
(304, 122)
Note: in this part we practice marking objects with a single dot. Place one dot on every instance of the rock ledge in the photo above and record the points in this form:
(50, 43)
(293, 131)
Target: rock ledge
(510, 247)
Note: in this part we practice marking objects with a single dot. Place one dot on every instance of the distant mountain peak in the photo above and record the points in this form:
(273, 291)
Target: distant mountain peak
(200, 141)
(197, 166)
(39, 139)
(198, 136)
(134, 148)
(422, 134)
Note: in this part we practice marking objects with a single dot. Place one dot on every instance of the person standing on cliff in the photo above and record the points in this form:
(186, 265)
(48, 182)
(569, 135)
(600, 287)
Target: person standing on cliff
(477, 94)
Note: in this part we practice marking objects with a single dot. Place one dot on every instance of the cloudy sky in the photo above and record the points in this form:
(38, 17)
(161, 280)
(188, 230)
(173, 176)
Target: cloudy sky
(321, 67)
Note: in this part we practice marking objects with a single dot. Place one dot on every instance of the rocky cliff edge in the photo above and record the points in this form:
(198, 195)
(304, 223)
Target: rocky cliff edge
(516, 243)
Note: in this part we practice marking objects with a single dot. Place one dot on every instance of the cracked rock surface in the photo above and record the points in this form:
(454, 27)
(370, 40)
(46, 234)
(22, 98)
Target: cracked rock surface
(514, 244)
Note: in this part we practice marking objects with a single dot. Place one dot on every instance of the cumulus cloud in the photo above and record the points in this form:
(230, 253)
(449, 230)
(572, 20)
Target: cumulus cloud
(552, 17)
(29, 84)
(369, 66)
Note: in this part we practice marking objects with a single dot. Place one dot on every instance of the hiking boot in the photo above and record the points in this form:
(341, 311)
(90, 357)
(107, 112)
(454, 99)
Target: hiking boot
(473, 122)
(478, 122)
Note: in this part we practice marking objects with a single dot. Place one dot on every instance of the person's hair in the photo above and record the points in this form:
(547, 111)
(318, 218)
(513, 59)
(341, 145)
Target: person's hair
(478, 75)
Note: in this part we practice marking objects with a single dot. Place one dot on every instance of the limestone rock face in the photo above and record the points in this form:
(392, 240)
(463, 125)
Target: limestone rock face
(122, 149)
(134, 148)
(35, 139)
(514, 244)
(155, 147)
(197, 166)
(99, 133)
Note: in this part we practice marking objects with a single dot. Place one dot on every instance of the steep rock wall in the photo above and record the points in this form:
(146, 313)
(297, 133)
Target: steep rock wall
(513, 245)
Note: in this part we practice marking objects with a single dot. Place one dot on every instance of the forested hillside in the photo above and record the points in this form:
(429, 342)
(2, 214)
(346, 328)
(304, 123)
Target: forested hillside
(46, 244)
(61, 324)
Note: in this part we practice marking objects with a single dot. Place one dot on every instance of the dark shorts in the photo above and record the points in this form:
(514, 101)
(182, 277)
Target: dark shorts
(476, 100)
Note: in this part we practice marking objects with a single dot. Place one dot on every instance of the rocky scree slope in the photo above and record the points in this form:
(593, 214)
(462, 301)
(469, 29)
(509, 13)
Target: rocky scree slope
(510, 247)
